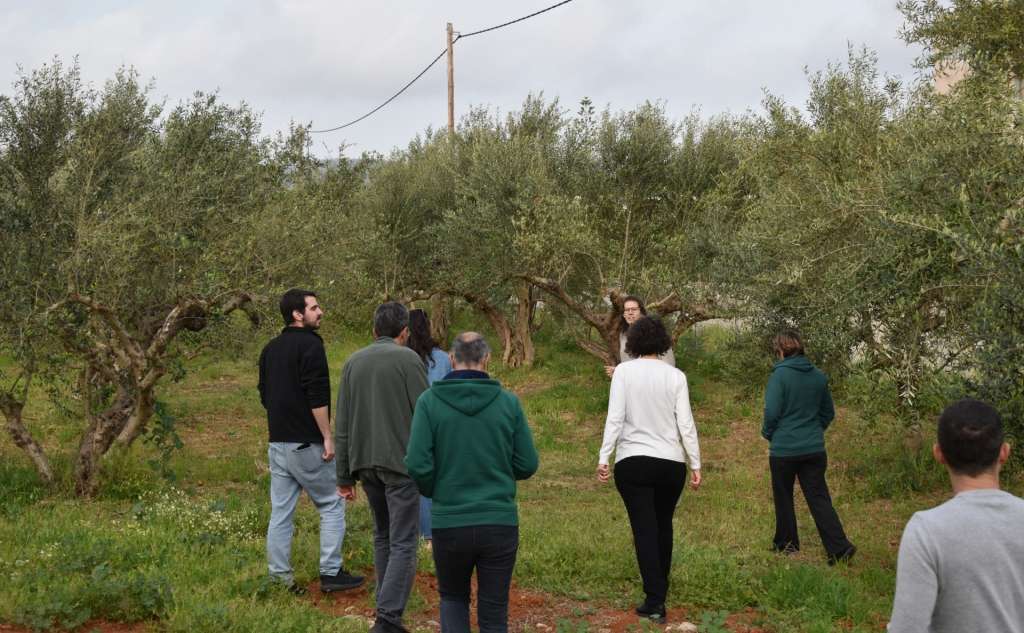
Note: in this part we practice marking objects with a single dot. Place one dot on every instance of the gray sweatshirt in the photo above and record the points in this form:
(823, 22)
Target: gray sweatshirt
(961, 567)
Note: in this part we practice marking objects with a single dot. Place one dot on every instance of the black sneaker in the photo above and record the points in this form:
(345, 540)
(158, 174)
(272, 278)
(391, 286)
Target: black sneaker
(383, 626)
(342, 581)
(296, 590)
(843, 556)
(653, 612)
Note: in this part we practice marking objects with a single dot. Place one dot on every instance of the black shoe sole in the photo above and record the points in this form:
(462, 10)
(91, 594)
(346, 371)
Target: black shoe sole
(346, 587)
(845, 557)
(653, 616)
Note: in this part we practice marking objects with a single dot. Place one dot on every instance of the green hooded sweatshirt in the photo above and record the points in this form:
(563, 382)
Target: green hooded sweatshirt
(469, 444)
(797, 408)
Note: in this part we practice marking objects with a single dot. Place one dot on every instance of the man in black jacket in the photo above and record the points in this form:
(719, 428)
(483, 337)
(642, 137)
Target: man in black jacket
(295, 389)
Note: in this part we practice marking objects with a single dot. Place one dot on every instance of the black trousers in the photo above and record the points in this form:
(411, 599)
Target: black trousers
(650, 488)
(491, 549)
(810, 470)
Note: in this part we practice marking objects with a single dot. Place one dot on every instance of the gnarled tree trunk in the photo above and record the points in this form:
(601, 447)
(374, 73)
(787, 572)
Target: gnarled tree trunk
(97, 439)
(440, 318)
(516, 339)
(12, 408)
(523, 335)
(607, 322)
(133, 365)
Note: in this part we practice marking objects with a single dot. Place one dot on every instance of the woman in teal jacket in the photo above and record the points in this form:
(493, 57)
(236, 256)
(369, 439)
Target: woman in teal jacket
(797, 410)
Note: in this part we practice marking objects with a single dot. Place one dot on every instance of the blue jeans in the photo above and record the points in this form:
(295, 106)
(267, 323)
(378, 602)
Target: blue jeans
(491, 550)
(425, 505)
(296, 467)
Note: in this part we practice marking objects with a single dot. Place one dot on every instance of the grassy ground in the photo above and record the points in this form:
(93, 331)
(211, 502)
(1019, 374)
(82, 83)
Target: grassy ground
(188, 555)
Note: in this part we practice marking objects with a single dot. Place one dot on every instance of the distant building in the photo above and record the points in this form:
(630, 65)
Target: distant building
(945, 76)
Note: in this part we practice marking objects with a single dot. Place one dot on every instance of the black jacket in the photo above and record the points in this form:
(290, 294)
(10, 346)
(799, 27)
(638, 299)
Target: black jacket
(294, 380)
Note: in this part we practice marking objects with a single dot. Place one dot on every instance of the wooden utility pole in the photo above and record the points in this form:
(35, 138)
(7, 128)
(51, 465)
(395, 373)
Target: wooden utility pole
(451, 82)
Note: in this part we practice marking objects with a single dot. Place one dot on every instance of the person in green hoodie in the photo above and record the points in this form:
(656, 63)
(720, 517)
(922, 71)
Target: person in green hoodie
(469, 445)
(797, 410)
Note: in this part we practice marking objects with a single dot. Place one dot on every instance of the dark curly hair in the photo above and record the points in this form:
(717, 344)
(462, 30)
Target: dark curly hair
(647, 336)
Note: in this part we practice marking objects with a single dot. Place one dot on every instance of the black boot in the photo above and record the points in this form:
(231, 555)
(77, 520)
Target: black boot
(654, 611)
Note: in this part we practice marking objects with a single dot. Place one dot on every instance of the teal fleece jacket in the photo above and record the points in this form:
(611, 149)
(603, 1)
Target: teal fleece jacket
(797, 408)
(469, 444)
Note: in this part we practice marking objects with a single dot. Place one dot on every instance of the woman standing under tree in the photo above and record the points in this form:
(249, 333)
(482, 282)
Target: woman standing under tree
(650, 429)
(632, 310)
(438, 366)
(797, 410)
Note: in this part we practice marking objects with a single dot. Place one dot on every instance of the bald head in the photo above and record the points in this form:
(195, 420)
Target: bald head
(470, 351)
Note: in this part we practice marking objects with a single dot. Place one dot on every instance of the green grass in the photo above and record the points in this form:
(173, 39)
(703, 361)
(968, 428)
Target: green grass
(190, 556)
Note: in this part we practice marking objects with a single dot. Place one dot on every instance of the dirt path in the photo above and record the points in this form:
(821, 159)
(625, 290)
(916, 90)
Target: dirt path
(528, 611)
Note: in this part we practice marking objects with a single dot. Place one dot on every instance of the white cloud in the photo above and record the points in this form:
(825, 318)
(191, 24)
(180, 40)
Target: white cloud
(329, 62)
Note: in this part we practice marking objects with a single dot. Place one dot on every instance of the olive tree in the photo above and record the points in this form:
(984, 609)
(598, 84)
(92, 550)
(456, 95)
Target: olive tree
(120, 215)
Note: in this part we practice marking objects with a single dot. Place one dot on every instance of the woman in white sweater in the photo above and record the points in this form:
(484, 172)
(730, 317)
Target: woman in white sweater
(650, 429)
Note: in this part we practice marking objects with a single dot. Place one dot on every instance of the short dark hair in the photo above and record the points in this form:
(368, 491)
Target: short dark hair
(389, 319)
(647, 336)
(970, 436)
(292, 300)
(470, 348)
(787, 343)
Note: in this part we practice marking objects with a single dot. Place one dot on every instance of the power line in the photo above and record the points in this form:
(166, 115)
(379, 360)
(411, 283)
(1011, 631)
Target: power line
(525, 17)
(390, 99)
(431, 65)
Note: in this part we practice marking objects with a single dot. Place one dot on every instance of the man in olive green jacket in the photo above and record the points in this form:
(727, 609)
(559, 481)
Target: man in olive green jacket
(379, 388)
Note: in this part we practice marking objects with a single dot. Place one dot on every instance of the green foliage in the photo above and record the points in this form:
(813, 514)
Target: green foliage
(164, 438)
(983, 33)
(98, 578)
(713, 622)
(881, 219)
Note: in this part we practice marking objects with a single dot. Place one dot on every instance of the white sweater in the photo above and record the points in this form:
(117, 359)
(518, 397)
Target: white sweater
(649, 413)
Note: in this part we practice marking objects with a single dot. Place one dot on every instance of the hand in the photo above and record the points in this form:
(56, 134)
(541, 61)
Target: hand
(603, 473)
(609, 370)
(695, 479)
(348, 493)
(328, 449)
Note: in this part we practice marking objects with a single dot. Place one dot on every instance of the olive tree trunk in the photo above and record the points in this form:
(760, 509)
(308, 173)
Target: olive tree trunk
(607, 322)
(132, 366)
(12, 405)
(516, 339)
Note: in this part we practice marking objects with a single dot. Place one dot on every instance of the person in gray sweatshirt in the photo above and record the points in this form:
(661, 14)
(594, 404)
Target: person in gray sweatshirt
(961, 564)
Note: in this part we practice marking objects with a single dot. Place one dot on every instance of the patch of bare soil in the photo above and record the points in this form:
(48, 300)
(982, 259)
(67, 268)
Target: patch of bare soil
(529, 610)
(528, 388)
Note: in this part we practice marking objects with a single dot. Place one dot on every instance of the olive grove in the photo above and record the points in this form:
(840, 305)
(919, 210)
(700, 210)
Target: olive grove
(882, 219)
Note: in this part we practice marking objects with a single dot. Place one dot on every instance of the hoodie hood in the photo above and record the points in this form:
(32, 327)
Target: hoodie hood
(468, 397)
(796, 363)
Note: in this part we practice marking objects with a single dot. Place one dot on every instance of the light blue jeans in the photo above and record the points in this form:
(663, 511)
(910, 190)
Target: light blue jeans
(296, 467)
(425, 506)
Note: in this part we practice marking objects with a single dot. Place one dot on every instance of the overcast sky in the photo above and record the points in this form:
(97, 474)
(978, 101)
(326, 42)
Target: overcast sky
(328, 62)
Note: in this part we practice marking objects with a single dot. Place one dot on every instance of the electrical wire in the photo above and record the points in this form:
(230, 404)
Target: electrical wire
(431, 65)
(525, 17)
(390, 99)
